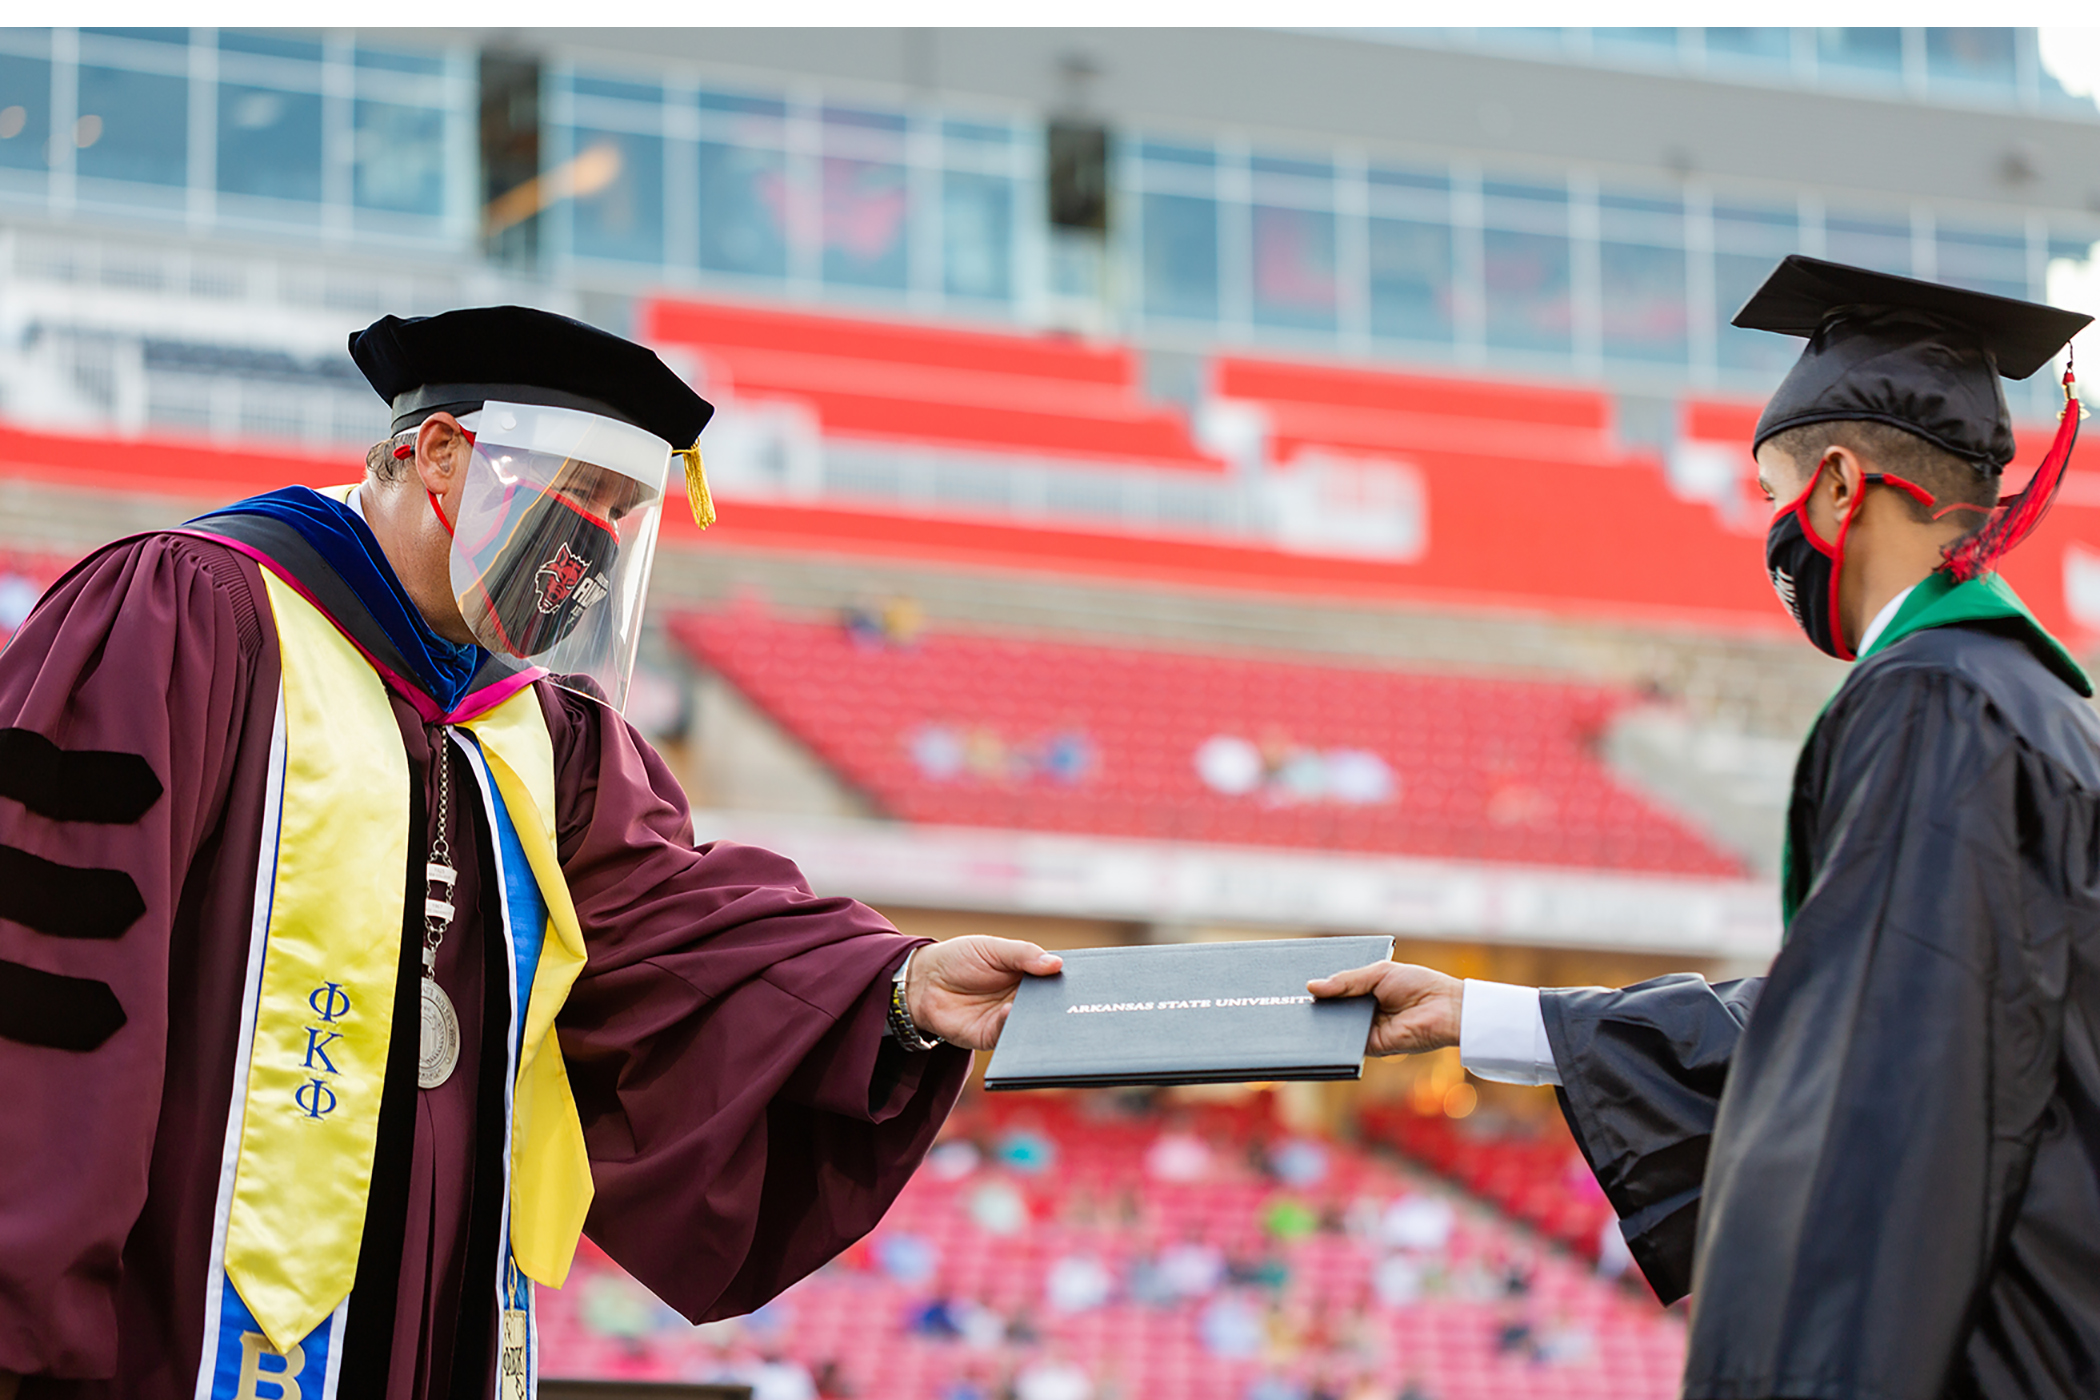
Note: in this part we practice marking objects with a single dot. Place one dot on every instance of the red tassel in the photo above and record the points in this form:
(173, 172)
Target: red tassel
(1975, 555)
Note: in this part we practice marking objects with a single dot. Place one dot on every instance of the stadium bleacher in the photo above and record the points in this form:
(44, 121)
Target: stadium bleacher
(1327, 1263)
(1339, 406)
(1537, 1177)
(1007, 731)
(1045, 396)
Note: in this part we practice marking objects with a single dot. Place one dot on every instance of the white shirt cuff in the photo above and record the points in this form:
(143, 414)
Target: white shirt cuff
(1502, 1034)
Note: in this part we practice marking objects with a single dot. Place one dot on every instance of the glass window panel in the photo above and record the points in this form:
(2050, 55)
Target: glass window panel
(743, 209)
(1736, 276)
(746, 104)
(2055, 97)
(1411, 280)
(651, 93)
(863, 118)
(1644, 310)
(269, 142)
(865, 218)
(1983, 260)
(1285, 165)
(268, 45)
(1537, 208)
(1762, 47)
(1528, 301)
(981, 132)
(1176, 155)
(2066, 245)
(1655, 43)
(1753, 228)
(1181, 256)
(133, 126)
(1536, 194)
(1641, 218)
(394, 61)
(618, 208)
(1294, 269)
(1777, 216)
(1529, 36)
(1640, 203)
(977, 235)
(25, 112)
(151, 36)
(1980, 57)
(1409, 179)
(398, 155)
(1877, 50)
(1882, 244)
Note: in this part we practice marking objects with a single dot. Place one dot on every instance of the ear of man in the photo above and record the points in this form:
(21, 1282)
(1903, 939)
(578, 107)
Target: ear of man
(439, 439)
(441, 452)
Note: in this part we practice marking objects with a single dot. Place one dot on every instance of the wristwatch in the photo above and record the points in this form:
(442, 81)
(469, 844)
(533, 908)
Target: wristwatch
(902, 1029)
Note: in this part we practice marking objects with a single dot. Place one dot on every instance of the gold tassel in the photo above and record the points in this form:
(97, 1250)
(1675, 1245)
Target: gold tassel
(696, 493)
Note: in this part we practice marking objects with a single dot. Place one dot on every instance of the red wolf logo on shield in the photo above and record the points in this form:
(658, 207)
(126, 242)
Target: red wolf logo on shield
(558, 578)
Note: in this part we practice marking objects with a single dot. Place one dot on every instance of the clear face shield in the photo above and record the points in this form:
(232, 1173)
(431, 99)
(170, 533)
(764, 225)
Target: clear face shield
(555, 536)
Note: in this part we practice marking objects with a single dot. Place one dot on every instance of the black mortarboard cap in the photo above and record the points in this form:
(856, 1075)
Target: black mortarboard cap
(1889, 349)
(458, 360)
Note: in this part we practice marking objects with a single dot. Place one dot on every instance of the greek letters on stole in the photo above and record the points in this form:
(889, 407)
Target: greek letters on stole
(317, 1016)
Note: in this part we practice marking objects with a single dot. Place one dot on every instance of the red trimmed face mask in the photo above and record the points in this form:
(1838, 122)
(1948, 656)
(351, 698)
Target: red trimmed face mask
(1805, 568)
(553, 566)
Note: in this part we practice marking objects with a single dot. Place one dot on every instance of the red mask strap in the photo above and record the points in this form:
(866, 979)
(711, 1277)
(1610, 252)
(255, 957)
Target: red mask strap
(439, 510)
(1924, 497)
(408, 449)
(1799, 507)
(1906, 486)
(1837, 574)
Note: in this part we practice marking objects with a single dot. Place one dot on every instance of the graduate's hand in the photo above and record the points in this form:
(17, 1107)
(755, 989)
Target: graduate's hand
(1417, 1006)
(962, 989)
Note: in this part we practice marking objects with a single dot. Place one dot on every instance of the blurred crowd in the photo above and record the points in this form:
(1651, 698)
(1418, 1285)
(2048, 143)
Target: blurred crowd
(1061, 1256)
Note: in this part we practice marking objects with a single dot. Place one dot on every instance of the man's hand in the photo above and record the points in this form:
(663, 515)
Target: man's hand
(962, 989)
(1417, 1006)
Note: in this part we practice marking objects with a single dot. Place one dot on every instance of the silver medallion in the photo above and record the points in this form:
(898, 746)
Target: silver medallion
(440, 1037)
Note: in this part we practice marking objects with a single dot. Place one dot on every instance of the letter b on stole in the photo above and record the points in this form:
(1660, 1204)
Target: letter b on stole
(283, 1379)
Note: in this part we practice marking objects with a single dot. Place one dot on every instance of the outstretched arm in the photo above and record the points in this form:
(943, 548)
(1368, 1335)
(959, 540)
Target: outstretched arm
(1639, 1072)
(961, 991)
(1419, 1008)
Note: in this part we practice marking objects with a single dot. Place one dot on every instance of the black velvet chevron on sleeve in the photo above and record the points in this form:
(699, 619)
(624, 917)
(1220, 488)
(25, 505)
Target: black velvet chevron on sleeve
(75, 785)
(67, 901)
(63, 1013)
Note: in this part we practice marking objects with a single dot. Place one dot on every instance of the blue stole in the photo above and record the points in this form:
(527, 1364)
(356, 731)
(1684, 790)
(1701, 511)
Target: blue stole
(445, 670)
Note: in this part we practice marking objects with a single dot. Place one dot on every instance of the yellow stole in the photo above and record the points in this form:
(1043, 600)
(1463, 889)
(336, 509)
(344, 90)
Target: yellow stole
(324, 1011)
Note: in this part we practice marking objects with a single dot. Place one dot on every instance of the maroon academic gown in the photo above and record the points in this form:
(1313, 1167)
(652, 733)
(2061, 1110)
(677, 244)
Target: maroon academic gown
(746, 1116)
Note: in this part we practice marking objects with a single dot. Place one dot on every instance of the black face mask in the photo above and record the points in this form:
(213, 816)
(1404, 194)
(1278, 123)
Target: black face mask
(1804, 569)
(1804, 573)
(555, 567)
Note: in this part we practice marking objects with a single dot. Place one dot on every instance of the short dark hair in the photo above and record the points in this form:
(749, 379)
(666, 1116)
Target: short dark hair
(1949, 478)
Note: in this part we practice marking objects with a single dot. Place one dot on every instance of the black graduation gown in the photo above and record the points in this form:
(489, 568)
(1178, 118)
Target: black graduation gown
(1878, 1167)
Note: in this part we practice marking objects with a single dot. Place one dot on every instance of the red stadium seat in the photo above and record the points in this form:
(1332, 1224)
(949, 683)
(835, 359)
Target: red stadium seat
(1041, 396)
(1481, 769)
